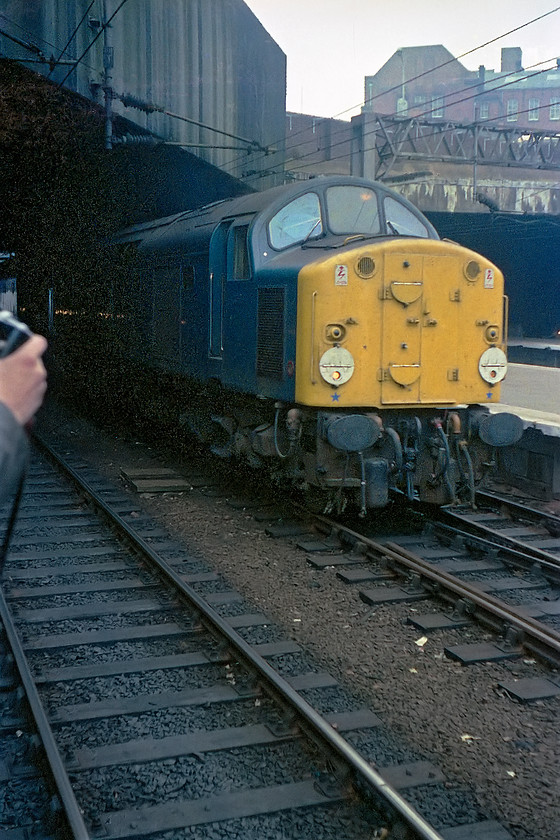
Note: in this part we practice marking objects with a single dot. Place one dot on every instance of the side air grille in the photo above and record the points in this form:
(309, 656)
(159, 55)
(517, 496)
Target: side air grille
(270, 333)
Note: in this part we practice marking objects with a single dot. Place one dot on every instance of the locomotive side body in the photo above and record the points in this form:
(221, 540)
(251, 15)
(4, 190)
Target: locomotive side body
(328, 337)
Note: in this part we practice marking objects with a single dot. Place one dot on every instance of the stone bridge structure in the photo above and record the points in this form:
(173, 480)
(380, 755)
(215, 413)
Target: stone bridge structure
(451, 167)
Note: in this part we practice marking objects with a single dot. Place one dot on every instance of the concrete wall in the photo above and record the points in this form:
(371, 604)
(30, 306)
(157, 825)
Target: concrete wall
(210, 61)
(450, 190)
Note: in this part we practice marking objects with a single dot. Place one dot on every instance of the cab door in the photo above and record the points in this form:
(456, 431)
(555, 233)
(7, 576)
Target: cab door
(216, 291)
(421, 314)
(239, 312)
(401, 343)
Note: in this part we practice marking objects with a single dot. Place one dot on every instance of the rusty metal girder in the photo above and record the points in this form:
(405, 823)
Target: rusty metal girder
(414, 139)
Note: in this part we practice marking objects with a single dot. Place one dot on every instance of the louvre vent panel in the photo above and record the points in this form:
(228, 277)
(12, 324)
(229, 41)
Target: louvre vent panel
(270, 333)
(365, 267)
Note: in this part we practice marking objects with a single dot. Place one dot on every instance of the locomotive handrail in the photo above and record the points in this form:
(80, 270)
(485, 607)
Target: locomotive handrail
(313, 300)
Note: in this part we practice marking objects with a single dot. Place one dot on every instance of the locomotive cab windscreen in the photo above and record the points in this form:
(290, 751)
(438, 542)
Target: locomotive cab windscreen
(347, 210)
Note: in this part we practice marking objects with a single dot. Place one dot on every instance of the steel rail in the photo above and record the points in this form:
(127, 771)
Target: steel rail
(524, 510)
(365, 777)
(52, 753)
(503, 542)
(514, 549)
(530, 627)
(527, 625)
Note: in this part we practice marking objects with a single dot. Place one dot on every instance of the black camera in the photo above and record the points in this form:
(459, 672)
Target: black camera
(13, 333)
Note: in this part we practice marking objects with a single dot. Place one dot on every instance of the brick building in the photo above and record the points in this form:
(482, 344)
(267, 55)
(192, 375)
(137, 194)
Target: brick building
(429, 82)
(316, 146)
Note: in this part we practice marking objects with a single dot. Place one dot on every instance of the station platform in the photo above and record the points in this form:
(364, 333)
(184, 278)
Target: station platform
(533, 393)
(534, 351)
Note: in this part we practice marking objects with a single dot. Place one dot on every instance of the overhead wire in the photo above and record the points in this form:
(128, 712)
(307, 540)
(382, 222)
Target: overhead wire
(490, 90)
(149, 107)
(448, 104)
(30, 46)
(487, 121)
(343, 155)
(70, 39)
(432, 70)
(17, 25)
(446, 63)
(264, 150)
(382, 93)
(458, 57)
(526, 129)
(102, 29)
(438, 125)
(127, 99)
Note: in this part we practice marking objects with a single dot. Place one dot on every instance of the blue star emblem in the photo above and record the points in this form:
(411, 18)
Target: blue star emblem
(489, 395)
(334, 397)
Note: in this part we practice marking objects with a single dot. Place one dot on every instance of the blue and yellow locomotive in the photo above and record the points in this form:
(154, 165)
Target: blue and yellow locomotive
(329, 337)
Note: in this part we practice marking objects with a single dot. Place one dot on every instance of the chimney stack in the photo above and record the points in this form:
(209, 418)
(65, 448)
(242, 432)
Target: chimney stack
(511, 60)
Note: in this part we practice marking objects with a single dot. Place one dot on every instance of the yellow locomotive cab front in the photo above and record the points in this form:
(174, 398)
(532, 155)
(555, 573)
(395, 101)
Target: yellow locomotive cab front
(401, 322)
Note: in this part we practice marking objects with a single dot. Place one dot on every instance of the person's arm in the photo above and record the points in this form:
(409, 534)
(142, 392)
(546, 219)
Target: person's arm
(23, 382)
(13, 453)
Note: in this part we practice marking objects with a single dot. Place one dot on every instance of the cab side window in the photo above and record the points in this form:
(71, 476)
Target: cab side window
(187, 277)
(240, 253)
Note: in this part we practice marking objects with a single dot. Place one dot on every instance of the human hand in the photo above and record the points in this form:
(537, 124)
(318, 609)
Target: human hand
(23, 379)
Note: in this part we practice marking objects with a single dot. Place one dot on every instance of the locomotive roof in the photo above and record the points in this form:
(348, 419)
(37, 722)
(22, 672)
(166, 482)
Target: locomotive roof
(251, 203)
(206, 218)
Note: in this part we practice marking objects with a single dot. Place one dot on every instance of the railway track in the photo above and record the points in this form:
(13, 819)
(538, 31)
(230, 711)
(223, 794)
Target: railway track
(153, 711)
(520, 526)
(90, 717)
(472, 561)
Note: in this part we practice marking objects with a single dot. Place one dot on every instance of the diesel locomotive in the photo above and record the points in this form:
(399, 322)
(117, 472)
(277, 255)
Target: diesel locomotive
(328, 336)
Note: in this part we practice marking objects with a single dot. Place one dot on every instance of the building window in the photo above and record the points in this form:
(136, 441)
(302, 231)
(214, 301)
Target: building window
(534, 109)
(484, 111)
(511, 109)
(555, 107)
(437, 107)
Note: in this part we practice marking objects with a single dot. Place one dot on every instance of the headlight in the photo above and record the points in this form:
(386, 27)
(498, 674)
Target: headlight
(472, 270)
(336, 366)
(492, 365)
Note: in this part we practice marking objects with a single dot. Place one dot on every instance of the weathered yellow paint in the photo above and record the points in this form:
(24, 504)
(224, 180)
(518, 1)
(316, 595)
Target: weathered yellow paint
(416, 329)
